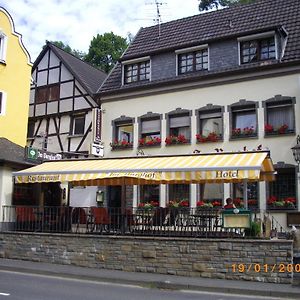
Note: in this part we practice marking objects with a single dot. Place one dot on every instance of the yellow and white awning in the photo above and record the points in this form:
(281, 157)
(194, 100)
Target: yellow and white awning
(200, 168)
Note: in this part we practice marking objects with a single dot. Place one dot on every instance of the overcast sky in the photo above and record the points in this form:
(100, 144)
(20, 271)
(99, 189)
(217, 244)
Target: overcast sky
(75, 22)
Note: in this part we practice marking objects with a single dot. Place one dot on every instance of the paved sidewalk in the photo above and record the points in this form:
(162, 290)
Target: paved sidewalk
(154, 280)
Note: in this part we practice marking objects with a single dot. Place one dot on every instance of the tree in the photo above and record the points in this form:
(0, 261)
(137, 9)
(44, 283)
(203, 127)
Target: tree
(105, 50)
(68, 49)
(211, 4)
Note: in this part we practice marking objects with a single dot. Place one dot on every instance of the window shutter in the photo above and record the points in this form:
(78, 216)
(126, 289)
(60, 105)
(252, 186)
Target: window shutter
(180, 121)
(149, 126)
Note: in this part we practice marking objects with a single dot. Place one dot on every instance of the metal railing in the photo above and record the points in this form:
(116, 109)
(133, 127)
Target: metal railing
(185, 222)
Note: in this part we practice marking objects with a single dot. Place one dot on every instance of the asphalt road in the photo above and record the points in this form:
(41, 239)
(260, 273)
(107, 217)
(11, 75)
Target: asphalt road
(23, 286)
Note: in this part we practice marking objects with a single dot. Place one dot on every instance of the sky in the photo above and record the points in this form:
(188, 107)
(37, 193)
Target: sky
(76, 22)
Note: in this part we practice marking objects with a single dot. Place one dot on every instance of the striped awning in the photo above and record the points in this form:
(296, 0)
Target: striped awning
(198, 168)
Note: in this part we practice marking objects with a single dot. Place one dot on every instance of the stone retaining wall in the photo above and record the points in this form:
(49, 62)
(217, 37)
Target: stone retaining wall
(255, 260)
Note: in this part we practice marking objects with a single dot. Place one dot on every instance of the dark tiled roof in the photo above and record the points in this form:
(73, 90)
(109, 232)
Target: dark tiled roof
(203, 28)
(11, 152)
(90, 77)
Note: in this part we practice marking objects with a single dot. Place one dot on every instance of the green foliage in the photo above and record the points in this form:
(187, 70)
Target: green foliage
(105, 50)
(254, 230)
(205, 5)
(68, 49)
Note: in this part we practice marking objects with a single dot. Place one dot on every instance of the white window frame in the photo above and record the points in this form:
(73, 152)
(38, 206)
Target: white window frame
(134, 61)
(3, 47)
(257, 37)
(76, 117)
(3, 103)
(191, 49)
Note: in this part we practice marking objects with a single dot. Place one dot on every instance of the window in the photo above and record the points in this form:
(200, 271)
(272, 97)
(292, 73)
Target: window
(257, 49)
(78, 124)
(139, 71)
(149, 193)
(282, 191)
(279, 115)
(193, 61)
(2, 103)
(122, 133)
(243, 119)
(47, 93)
(252, 194)
(30, 129)
(209, 123)
(150, 129)
(3, 42)
(179, 194)
(179, 126)
(210, 194)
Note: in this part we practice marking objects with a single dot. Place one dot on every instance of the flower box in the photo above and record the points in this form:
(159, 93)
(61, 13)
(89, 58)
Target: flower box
(149, 142)
(283, 129)
(211, 137)
(243, 132)
(121, 145)
(175, 140)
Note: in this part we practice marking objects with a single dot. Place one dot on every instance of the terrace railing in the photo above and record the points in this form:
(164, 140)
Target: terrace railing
(185, 222)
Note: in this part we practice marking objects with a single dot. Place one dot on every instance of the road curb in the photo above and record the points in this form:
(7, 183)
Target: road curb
(156, 284)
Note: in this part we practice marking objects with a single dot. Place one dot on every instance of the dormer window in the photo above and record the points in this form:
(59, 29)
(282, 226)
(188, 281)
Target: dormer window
(256, 48)
(192, 59)
(136, 70)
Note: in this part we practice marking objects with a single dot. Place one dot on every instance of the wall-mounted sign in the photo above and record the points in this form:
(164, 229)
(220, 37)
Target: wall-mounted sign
(97, 150)
(40, 155)
(230, 174)
(96, 129)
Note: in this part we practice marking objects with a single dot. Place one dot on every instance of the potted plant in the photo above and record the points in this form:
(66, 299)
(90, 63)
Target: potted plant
(120, 144)
(149, 141)
(236, 131)
(211, 137)
(283, 129)
(172, 140)
(269, 128)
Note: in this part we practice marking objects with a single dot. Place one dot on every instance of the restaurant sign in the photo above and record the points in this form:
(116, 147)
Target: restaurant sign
(43, 178)
(40, 155)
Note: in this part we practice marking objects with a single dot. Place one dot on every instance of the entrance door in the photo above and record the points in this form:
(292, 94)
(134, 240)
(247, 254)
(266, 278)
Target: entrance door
(114, 206)
(114, 196)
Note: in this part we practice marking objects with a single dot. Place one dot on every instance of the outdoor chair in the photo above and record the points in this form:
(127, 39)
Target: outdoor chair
(79, 220)
(26, 218)
(99, 220)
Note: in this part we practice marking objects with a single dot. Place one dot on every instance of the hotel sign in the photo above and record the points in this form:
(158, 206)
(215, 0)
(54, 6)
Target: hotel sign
(230, 174)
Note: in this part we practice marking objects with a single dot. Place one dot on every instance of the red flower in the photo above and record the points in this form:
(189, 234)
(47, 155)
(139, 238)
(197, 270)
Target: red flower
(154, 203)
(200, 138)
(181, 138)
(271, 200)
(142, 141)
(248, 130)
(283, 128)
(269, 128)
(184, 203)
(236, 131)
(200, 203)
(216, 203)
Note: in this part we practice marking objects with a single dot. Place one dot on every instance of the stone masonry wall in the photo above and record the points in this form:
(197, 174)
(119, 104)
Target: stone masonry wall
(255, 260)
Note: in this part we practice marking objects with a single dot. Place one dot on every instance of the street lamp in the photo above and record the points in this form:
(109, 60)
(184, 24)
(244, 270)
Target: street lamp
(296, 151)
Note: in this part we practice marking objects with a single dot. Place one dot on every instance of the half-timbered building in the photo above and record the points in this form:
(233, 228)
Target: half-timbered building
(62, 100)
